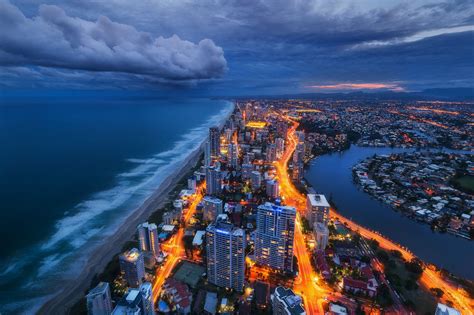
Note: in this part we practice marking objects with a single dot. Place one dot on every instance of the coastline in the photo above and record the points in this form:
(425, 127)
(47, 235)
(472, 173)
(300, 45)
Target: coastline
(103, 253)
(62, 301)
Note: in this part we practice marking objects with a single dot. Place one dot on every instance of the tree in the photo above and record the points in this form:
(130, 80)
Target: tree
(373, 244)
(437, 292)
(415, 266)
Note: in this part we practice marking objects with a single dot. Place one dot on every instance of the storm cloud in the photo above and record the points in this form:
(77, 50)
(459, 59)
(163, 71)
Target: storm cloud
(271, 46)
(55, 39)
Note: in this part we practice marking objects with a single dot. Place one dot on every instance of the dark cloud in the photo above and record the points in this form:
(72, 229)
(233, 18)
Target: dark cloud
(54, 39)
(279, 46)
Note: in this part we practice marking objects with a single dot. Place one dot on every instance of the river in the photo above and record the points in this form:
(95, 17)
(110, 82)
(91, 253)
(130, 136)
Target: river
(331, 174)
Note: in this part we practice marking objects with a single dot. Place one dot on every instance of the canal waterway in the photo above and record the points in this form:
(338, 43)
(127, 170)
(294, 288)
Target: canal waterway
(331, 174)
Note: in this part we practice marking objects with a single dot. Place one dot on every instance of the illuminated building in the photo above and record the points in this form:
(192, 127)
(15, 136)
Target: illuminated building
(99, 301)
(133, 267)
(321, 235)
(207, 154)
(136, 302)
(270, 153)
(146, 290)
(317, 209)
(213, 180)
(256, 180)
(214, 143)
(192, 184)
(286, 302)
(280, 147)
(233, 155)
(212, 208)
(275, 236)
(247, 170)
(130, 304)
(273, 189)
(148, 238)
(225, 255)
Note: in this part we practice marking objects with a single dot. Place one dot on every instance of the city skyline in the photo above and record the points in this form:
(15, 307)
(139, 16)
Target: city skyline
(237, 157)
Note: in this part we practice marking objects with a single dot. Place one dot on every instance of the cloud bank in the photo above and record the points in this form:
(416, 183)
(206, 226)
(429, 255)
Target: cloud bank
(57, 40)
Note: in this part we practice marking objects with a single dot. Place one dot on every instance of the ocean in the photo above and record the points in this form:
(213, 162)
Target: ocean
(72, 168)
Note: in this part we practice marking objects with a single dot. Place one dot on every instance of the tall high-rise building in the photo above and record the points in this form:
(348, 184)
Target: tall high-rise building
(214, 142)
(207, 154)
(148, 238)
(133, 267)
(286, 302)
(212, 208)
(136, 302)
(273, 188)
(99, 300)
(247, 170)
(146, 290)
(321, 235)
(130, 304)
(270, 153)
(233, 155)
(280, 147)
(225, 255)
(275, 236)
(213, 180)
(317, 209)
(256, 179)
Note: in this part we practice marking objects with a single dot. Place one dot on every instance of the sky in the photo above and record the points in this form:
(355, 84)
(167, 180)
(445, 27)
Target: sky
(236, 47)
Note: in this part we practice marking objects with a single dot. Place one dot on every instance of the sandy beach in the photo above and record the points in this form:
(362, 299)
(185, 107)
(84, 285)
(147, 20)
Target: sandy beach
(74, 289)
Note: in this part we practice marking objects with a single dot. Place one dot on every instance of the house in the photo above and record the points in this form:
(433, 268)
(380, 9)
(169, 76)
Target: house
(178, 294)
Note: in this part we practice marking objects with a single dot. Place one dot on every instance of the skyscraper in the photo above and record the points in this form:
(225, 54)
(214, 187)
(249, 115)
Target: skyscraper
(233, 155)
(214, 142)
(99, 300)
(280, 147)
(207, 154)
(146, 290)
(133, 266)
(273, 189)
(136, 301)
(212, 208)
(213, 180)
(274, 236)
(225, 255)
(270, 153)
(321, 235)
(317, 209)
(256, 180)
(148, 238)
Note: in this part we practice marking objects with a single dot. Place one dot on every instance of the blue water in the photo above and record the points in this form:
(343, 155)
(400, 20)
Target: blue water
(331, 174)
(72, 168)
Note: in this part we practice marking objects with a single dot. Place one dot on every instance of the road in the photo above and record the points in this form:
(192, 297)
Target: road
(175, 247)
(293, 197)
(306, 284)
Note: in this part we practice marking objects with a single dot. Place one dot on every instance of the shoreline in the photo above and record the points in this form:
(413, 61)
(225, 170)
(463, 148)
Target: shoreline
(62, 301)
(390, 231)
(98, 259)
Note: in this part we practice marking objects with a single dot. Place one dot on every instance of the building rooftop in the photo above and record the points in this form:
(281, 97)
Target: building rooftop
(317, 200)
(99, 289)
(291, 300)
(443, 309)
(272, 207)
(131, 255)
(198, 238)
(210, 304)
